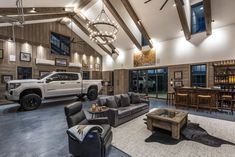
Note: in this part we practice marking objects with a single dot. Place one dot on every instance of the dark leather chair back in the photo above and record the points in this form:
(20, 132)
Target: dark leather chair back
(75, 115)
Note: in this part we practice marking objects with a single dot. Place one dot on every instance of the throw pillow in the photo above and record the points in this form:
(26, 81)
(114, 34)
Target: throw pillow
(118, 100)
(102, 102)
(135, 99)
(111, 103)
(125, 100)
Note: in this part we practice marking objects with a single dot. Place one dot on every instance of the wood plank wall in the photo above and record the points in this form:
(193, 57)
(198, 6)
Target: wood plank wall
(40, 34)
(186, 69)
(121, 81)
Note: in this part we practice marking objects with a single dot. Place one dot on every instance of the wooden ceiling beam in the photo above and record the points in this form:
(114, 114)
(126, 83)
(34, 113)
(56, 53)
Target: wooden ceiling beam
(75, 19)
(41, 10)
(137, 21)
(33, 17)
(118, 18)
(183, 19)
(208, 18)
(85, 4)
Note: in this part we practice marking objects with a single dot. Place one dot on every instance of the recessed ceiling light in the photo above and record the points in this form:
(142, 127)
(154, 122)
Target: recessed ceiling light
(201, 8)
(33, 10)
(174, 5)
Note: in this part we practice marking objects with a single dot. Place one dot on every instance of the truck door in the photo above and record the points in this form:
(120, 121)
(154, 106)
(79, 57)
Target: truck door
(55, 85)
(73, 84)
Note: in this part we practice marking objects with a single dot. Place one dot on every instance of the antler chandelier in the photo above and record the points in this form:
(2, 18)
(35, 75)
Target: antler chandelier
(102, 30)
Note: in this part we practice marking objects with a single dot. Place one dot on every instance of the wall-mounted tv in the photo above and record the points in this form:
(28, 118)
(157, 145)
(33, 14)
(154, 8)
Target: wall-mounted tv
(60, 44)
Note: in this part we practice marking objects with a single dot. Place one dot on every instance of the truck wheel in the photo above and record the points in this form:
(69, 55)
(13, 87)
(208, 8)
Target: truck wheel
(92, 94)
(30, 102)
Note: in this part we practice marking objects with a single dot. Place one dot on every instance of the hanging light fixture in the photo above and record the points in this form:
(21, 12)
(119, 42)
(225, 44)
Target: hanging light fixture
(102, 30)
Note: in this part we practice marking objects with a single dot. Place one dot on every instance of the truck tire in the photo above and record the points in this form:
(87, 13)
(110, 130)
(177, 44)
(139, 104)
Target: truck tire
(30, 102)
(92, 94)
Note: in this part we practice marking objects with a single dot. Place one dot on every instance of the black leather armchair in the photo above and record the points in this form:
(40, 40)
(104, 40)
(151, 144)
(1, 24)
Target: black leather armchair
(94, 144)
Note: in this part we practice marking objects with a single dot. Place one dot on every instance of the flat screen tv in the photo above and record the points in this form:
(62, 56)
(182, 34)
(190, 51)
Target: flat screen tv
(60, 44)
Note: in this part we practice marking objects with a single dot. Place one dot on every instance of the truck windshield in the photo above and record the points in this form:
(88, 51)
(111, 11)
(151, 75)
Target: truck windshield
(43, 76)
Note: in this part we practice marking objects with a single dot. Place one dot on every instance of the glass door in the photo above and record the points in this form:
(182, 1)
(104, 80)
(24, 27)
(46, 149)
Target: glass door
(142, 82)
(152, 86)
(162, 83)
(151, 82)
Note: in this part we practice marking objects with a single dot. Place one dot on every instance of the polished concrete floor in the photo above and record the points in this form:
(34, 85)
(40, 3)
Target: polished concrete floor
(42, 133)
(39, 133)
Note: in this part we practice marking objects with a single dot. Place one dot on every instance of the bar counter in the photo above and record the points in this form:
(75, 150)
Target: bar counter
(189, 97)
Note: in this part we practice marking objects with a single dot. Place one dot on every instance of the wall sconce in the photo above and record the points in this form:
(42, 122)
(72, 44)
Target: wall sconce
(171, 82)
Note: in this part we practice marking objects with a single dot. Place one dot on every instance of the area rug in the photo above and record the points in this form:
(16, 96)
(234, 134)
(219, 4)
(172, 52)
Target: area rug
(115, 152)
(191, 132)
(132, 137)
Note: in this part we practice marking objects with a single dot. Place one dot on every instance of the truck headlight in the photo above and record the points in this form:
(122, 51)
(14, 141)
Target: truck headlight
(14, 85)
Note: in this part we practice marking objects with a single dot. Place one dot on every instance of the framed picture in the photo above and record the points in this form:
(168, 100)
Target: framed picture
(178, 84)
(6, 78)
(1, 54)
(26, 57)
(12, 58)
(61, 62)
(97, 66)
(178, 75)
(42, 73)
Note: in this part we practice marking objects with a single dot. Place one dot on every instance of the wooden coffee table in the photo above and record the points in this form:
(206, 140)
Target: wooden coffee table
(168, 119)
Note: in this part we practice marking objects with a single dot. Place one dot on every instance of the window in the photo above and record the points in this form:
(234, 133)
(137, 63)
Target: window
(198, 75)
(64, 77)
(72, 77)
(24, 73)
(198, 18)
(86, 75)
(144, 42)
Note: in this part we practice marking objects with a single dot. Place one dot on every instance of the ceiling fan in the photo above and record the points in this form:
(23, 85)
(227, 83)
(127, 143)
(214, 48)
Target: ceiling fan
(73, 40)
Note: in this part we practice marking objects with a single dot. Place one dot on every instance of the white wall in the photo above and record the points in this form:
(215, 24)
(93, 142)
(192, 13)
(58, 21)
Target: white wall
(219, 46)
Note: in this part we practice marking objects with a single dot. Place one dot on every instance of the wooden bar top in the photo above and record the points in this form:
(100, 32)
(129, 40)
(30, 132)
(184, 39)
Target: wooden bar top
(198, 89)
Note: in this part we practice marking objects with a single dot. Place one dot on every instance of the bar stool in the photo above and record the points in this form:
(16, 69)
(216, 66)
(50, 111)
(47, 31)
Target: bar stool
(207, 98)
(170, 98)
(182, 99)
(227, 102)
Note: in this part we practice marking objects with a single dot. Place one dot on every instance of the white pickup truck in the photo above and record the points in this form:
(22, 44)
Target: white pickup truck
(30, 93)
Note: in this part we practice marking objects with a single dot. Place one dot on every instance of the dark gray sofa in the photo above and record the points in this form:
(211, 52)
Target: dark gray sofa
(120, 115)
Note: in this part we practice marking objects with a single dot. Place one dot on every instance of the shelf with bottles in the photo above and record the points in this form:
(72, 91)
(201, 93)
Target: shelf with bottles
(225, 79)
(225, 63)
(228, 88)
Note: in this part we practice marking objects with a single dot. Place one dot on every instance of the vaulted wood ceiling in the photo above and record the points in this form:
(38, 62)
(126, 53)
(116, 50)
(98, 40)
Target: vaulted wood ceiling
(134, 16)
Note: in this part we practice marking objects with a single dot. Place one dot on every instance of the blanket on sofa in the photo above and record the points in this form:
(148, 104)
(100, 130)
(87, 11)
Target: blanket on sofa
(80, 131)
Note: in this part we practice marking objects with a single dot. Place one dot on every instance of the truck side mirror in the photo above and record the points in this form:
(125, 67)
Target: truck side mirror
(48, 80)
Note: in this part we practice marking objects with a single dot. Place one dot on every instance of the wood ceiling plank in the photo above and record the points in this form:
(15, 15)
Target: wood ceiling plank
(137, 21)
(34, 17)
(183, 19)
(86, 4)
(115, 14)
(40, 10)
(208, 18)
